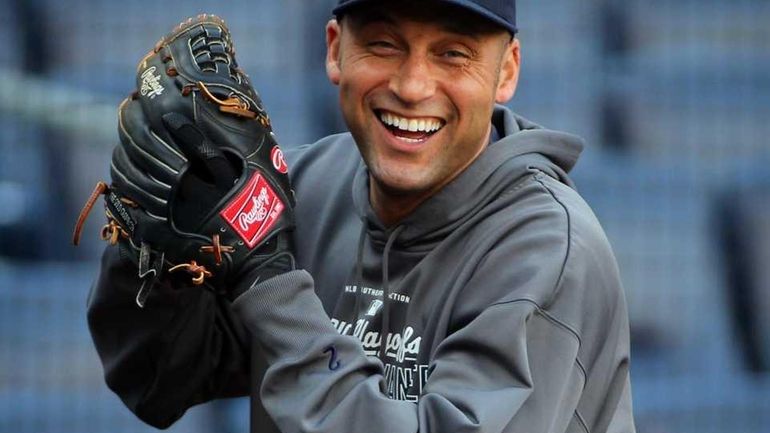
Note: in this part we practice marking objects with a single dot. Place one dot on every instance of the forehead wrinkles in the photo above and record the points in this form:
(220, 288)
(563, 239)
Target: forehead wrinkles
(448, 18)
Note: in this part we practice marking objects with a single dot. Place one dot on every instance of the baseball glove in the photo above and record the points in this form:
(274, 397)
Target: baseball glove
(198, 181)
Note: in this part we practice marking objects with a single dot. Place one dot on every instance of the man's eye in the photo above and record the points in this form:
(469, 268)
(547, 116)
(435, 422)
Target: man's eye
(382, 48)
(455, 54)
(381, 45)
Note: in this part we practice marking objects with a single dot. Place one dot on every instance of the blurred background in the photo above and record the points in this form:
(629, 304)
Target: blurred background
(672, 97)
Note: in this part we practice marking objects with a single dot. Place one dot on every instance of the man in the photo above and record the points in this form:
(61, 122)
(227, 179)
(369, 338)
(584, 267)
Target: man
(450, 278)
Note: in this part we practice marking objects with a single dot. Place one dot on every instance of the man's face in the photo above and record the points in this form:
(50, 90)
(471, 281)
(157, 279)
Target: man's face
(417, 91)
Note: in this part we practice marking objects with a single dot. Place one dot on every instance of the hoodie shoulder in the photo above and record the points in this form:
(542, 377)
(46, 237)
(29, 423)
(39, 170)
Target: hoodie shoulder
(322, 175)
(590, 278)
(524, 237)
(330, 151)
(323, 170)
(535, 237)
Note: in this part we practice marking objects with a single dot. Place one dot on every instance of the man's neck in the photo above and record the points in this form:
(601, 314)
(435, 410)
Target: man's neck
(392, 208)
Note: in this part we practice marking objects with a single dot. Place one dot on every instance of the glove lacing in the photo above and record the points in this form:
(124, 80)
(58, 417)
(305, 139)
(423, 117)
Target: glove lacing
(112, 232)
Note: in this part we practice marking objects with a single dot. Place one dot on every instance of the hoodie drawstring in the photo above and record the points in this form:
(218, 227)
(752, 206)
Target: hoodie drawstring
(359, 280)
(386, 292)
(359, 276)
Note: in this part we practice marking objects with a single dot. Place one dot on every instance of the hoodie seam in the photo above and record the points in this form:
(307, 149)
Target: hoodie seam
(565, 327)
(538, 178)
(535, 176)
(554, 321)
(581, 421)
(519, 184)
(568, 233)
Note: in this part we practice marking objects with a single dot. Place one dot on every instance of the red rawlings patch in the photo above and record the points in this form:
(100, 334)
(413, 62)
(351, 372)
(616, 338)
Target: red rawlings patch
(254, 210)
(276, 155)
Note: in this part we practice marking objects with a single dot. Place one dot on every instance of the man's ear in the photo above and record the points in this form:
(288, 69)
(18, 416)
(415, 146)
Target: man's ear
(509, 72)
(333, 51)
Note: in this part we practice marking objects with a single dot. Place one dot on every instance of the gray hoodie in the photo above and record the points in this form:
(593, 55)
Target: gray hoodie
(499, 298)
(496, 306)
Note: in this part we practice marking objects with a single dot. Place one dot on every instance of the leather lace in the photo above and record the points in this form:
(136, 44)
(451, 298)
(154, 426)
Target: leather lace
(217, 249)
(112, 231)
(199, 272)
(99, 189)
(234, 105)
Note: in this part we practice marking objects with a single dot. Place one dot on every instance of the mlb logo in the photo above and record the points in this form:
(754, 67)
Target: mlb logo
(374, 307)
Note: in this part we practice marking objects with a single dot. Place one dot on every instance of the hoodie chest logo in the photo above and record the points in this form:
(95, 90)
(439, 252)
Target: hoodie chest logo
(405, 375)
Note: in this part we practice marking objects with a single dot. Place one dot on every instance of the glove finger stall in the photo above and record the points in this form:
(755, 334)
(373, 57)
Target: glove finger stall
(148, 150)
(159, 87)
(134, 184)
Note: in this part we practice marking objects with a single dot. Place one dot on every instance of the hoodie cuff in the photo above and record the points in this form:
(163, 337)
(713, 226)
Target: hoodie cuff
(283, 314)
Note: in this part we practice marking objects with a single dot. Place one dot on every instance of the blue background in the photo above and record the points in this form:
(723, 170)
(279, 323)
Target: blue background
(672, 97)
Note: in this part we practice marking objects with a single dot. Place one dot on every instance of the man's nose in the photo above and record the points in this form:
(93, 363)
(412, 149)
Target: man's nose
(413, 82)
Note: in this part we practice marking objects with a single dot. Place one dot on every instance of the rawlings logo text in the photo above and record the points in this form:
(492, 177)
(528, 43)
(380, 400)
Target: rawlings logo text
(258, 211)
(151, 86)
(254, 211)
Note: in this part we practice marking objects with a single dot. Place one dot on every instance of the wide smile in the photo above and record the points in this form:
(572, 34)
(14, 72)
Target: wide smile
(413, 130)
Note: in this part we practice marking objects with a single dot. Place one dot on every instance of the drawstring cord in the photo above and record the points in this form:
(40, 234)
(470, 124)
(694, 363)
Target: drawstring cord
(359, 275)
(359, 280)
(386, 293)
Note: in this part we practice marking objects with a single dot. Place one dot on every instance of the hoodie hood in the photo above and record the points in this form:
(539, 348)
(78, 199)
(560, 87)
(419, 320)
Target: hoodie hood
(523, 146)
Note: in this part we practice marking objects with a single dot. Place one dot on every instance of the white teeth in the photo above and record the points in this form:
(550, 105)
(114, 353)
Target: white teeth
(413, 125)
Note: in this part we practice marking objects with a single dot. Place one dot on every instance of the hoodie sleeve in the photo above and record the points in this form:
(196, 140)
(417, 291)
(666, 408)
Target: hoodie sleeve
(183, 348)
(481, 377)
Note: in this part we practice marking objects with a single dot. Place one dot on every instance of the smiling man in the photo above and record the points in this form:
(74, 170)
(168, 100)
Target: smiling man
(449, 278)
(417, 87)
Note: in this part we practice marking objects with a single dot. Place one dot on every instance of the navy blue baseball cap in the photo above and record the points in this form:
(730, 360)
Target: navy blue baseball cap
(501, 12)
